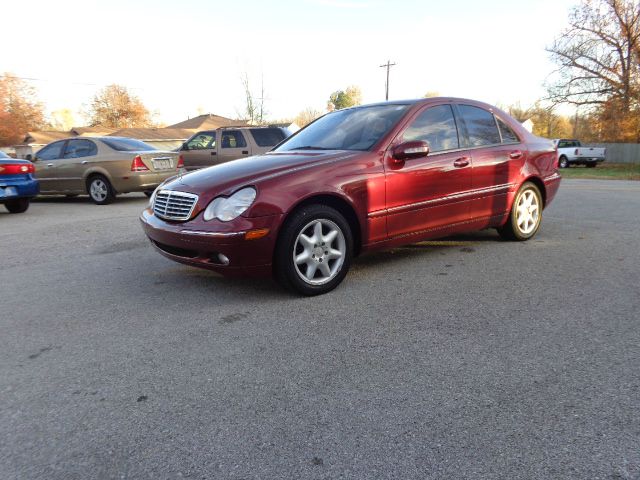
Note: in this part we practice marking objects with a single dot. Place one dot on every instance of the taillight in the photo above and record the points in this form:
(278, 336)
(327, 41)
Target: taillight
(16, 169)
(137, 165)
(180, 162)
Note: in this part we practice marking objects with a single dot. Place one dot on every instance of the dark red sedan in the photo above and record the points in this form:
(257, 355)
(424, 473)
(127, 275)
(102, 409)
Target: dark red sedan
(353, 181)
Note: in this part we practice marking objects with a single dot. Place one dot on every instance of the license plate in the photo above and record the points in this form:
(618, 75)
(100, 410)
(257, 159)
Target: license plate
(8, 192)
(162, 164)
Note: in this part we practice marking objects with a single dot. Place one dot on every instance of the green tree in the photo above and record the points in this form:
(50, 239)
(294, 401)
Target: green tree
(345, 98)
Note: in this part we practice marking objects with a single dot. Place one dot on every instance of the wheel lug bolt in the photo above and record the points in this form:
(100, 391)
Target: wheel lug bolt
(320, 260)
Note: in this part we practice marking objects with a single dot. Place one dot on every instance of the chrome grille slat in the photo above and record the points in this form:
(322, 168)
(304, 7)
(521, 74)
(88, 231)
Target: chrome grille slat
(174, 205)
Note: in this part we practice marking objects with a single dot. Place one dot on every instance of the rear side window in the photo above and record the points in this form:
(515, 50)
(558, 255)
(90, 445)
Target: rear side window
(481, 126)
(437, 127)
(233, 139)
(80, 148)
(267, 137)
(508, 135)
(127, 144)
(51, 152)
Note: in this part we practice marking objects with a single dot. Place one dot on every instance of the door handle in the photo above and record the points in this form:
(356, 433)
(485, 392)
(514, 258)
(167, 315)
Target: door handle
(49, 164)
(515, 154)
(461, 162)
(84, 162)
(245, 152)
(214, 153)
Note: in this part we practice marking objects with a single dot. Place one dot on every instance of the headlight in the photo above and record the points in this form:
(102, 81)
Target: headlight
(226, 209)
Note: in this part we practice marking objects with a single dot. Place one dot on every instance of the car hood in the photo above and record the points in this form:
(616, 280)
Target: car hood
(247, 171)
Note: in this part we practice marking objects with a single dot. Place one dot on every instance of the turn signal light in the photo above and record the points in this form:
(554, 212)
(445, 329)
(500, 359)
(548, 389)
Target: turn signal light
(16, 169)
(255, 234)
(137, 165)
(180, 162)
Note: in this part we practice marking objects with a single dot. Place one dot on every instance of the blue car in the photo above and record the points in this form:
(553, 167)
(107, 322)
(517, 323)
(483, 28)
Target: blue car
(17, 185)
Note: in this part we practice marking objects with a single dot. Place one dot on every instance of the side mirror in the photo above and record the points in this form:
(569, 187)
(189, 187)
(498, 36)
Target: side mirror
(185, 146)
(29, 157)
(409, 150)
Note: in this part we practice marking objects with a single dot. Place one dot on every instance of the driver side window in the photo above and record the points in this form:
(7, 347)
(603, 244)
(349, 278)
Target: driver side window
(437, 127)
(51, 152)
(202, 141)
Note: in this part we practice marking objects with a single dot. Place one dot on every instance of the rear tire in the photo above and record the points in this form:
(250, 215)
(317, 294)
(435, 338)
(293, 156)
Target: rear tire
(100, 190)
(526, 214)
(563, 162)
(19, 205)
(314, 250)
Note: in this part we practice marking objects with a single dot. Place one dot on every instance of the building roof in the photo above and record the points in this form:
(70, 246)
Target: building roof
(42, 138)
(92, 131)
(208, 122)
(153, 133)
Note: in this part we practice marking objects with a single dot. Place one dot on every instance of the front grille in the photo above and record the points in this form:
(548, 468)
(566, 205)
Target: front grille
(173, 205)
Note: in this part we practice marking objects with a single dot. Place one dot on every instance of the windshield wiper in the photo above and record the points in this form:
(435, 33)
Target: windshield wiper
(311, 147)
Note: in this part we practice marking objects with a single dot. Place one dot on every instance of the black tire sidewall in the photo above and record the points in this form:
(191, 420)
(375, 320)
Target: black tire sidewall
(284, 268)
(110, 193)
(563, 162)
(18, 205)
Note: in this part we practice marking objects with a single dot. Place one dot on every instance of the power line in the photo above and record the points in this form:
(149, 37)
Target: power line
(388, 66)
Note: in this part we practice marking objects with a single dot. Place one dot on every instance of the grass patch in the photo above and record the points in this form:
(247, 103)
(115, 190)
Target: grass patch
(604, 171)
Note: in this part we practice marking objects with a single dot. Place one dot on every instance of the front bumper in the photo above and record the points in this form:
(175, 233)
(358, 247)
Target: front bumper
(199, 243)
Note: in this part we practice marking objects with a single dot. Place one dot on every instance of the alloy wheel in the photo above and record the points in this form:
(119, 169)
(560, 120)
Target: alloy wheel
(319, 251)
(528, 211)
(98, 190)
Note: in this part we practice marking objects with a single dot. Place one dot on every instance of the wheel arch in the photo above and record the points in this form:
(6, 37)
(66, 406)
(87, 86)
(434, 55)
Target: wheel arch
(537, 181)
(92, 172)
(340, 204)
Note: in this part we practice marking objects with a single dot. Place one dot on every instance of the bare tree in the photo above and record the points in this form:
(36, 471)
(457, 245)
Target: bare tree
(254, 111)
(598, 54)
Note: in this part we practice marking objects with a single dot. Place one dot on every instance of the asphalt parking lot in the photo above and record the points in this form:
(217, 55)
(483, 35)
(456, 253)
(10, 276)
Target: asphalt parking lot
(467, 358)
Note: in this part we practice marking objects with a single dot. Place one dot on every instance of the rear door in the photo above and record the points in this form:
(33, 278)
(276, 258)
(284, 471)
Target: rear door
(200, 151)
(428, 193)
(46, 162)
(497, 155)
(233, 145)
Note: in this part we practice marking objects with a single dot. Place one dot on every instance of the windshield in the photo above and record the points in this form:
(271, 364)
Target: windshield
(352, 129)
(127, 144)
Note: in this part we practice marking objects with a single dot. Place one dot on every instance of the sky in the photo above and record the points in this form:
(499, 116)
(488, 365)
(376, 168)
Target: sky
(186, 58)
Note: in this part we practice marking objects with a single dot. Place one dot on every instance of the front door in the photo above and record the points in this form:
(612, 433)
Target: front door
(46, 163)
(233, 145)
(76, 159)
(429, 193)
(200, 151)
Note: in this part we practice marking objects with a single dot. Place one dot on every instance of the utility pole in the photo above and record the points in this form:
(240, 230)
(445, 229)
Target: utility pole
(388, 66)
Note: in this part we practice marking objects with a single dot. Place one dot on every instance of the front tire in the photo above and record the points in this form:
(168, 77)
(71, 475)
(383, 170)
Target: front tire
(314, 250)
(18, 205)
(526, 214)
(100, 190)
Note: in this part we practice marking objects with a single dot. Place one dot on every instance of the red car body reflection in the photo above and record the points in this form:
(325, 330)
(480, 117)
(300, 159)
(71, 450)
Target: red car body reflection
(386, 201)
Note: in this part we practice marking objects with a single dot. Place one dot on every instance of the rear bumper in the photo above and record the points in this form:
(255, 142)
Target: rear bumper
(21, 187)
(199, 244)
(140, 182)
(551, 185)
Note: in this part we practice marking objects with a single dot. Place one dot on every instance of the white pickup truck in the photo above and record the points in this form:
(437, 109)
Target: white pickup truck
(571, 152)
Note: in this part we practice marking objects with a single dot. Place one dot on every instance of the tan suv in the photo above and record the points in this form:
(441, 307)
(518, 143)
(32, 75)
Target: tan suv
(211, 147)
